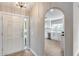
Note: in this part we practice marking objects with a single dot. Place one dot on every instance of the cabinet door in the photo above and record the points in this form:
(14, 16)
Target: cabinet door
(12, 34)
(0, 35)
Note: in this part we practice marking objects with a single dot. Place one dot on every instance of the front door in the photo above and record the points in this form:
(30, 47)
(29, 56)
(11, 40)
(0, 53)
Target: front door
(12, 34)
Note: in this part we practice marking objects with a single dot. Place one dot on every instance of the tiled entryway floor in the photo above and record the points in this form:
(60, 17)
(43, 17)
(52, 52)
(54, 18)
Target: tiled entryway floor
(53, 48)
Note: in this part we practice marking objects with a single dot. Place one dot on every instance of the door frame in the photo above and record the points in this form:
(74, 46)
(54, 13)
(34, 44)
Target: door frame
(44, 24)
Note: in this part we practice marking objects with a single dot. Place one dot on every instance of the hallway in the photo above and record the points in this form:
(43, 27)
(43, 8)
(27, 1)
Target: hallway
(23, 27)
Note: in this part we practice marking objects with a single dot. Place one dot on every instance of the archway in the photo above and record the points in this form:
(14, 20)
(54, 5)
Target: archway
(54, 32)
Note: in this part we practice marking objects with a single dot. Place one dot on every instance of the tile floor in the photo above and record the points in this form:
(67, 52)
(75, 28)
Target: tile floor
(53, 48)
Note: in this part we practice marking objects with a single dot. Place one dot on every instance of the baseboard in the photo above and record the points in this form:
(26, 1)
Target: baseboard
(76, 54)
(33, 52)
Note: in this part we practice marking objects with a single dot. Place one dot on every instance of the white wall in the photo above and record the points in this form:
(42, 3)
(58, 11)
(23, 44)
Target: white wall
(76, 28)
(0, 35)
(37, 26)
(36, 31)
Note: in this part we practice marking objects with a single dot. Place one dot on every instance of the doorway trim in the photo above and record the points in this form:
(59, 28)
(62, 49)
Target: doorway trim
(44, 24)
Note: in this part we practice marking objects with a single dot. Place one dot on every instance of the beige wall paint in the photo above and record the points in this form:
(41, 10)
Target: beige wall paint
(37, 26)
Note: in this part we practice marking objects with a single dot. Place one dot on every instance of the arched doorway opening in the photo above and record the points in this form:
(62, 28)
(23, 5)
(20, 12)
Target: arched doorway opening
(54, 33)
